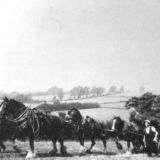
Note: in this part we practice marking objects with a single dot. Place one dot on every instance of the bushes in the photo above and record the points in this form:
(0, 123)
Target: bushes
(148, 105)
(66, 106)
(144, 103)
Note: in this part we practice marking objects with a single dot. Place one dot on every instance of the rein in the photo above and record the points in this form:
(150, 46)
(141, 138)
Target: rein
(135, 133)
(18, 119)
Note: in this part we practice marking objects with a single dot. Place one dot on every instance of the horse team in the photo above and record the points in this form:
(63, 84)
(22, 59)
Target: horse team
(32, 123)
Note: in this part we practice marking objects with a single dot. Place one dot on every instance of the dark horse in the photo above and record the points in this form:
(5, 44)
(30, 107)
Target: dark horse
(86, 128)
(33, 123)
(130, 133)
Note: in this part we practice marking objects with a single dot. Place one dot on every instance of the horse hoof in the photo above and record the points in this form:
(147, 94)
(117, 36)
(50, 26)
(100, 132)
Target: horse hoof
(64, 151)
(119, 146)
(52, 153)
(16, 148)
(30, 155)
(105, 150)
(88, 151)
(128, 153)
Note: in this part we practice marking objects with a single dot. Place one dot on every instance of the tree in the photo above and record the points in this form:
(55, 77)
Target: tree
(100, 91)
(94, 91)
(77, 92)
(53, 90)
(55, 100)
(80, 91)
(121, 90)
(112, 89)
(97, 91)
(73, 93)
(56, 91)
(60, 94)
(86, 91)
(142, 89)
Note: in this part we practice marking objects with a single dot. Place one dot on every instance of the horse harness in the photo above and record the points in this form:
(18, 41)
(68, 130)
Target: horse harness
(79, 125)
(30, 116)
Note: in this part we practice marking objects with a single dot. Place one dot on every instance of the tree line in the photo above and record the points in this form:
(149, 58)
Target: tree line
(77, 92)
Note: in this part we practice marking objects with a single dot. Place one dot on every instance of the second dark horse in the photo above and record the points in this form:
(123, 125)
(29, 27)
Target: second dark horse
(87, 128)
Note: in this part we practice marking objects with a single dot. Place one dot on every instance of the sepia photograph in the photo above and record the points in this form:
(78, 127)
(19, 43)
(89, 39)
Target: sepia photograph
(80, 79)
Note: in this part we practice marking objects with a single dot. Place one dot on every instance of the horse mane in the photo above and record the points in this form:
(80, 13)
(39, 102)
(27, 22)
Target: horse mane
(17, 102)
(90, 119)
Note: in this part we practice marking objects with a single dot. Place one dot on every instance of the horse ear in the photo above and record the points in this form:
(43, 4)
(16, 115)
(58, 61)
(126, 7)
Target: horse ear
(6, 99)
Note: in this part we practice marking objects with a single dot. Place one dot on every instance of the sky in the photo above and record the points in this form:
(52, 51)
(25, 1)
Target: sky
(79, 42)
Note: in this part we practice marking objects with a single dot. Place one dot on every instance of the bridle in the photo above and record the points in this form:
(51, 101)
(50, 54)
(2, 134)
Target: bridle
(3, 108)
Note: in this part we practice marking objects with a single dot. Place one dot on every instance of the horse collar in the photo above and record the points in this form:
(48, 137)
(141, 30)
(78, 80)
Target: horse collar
(79, 124)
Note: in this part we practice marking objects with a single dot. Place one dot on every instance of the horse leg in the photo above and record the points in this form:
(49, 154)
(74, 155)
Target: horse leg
(92, 144)
(3, 147)
(15, 147)
(63, 148)
(81, 140)
(54, 146)
(103, 138)
(143, 146)
(54, 151)
(119, 146)
(134, 146)
(128, 147)
(31, 153)
(137, 145)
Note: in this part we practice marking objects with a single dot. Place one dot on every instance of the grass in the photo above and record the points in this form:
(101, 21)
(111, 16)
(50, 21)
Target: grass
(43, 149)
(105, 112)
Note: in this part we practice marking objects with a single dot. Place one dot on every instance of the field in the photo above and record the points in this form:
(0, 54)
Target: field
(103, 99)
(105, 112)
(109, 107)
(43, 149)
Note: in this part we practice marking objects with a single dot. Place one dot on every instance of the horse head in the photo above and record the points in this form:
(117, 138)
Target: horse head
(74, 116)
(118, 124)
(88, 119)
(3, 107)
(11, 107)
